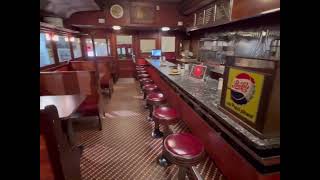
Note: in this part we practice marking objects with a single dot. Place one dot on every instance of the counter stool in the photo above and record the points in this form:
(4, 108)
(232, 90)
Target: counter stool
(140, 68)
(145, 80)
(149, 88)
(154, 99)
(184, 150)
(142, 72)
(165, 116)
(137, 73)
(143, 76)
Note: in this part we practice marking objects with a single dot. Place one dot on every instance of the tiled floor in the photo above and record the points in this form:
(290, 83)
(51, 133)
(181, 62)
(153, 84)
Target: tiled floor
(124, 149)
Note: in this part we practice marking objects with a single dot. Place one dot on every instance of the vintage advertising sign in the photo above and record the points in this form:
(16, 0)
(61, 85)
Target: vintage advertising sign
(243, 93)
(198, 71)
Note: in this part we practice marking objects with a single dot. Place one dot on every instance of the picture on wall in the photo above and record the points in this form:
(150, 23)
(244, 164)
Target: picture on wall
(142, 13)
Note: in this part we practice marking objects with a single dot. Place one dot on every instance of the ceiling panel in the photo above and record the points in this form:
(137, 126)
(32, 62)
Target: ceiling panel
(65, 8)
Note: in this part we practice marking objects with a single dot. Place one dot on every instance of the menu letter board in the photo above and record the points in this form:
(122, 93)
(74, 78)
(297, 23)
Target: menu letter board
(198, 71)
(243, 93)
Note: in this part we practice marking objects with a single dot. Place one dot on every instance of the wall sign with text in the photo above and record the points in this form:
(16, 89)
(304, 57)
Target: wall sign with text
(243, 93)
(198, 71)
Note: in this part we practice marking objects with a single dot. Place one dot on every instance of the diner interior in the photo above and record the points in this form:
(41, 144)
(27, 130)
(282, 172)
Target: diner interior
(160, 89)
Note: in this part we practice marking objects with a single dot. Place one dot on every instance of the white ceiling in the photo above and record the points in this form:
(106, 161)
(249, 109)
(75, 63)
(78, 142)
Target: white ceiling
(65, 8)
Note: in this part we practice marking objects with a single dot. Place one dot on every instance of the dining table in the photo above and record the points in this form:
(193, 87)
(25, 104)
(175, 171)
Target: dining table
(66, 106)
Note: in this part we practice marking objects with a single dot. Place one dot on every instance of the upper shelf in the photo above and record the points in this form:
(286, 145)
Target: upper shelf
(194, 28)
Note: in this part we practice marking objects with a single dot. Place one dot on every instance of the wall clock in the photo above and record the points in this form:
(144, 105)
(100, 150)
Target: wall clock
(116, 11)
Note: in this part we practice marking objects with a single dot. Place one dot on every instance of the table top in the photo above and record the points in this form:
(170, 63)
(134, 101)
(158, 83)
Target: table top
(65, 104)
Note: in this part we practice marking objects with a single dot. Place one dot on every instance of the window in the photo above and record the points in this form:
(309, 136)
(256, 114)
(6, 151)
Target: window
(168, 44)
(46, 53)
(100, 46)
(124, 47)
(89, 47)
(63, 49)
(146, 45)
(76, 48)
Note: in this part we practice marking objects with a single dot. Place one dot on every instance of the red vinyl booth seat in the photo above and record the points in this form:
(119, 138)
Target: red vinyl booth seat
(89, 106)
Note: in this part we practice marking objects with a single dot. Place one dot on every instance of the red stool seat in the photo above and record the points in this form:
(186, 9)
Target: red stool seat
(140, 66)
(143, 76)
(166, 115)
(142, 72)
(155, 97)
(145, 80)
(89, 106)
(149, 87)
(183, 149)
(140, 69)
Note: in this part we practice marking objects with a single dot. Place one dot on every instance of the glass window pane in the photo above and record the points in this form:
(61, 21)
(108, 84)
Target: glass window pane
(124, 43)
(63, 49)
(100, 47)
(46, 53)
(76, 48)
(123, 51)
(109, 50)
(89, 47)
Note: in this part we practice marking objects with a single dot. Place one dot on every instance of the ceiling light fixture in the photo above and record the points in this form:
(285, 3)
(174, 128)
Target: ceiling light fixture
(116, 27)
(165, 28)
(55, 38)
(72, 39)
(48, 37)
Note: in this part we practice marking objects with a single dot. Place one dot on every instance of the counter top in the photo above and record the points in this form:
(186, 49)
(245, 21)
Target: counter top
(206, 93)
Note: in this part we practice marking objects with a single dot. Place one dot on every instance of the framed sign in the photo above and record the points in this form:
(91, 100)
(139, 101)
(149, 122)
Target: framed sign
(243, 93)
(198, 71)
(142, 13)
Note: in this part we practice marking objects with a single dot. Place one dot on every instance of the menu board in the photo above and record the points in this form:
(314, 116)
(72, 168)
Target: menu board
(243, 93)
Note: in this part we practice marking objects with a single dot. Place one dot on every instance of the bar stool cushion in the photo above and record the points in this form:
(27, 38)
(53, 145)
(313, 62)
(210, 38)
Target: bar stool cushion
(140, 68)
(89, 106)
(183, 149)
(149, 87)
(155, 97)
(142, 72)
(145, 80)
(166, 115)
(143, 75)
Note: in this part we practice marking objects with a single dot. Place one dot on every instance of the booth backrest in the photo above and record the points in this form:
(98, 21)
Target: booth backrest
(63, 67)
(83, 65)
(68, 82)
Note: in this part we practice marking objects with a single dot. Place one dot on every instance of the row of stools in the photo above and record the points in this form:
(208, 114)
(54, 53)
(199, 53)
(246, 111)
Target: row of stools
(182, 149)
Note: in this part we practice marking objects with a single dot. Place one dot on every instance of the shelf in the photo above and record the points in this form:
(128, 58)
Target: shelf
(195, 28)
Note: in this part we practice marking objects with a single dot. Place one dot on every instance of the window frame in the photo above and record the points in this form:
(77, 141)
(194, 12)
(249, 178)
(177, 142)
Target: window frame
(126, 48)
(80, 43)
(54, 47)
(68, 44)
(108, 43)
